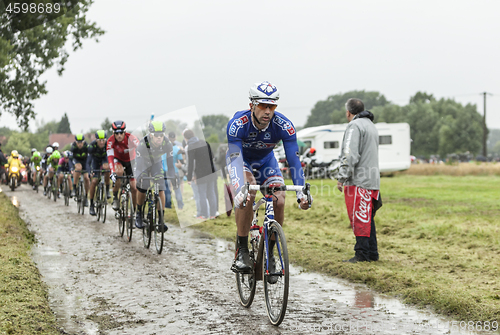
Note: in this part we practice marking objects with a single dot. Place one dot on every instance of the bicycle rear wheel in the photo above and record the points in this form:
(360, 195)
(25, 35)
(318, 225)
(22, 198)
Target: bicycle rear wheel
(129, 215)
(158, 225)
(276, 284)
(146, 221)
(66, 191)
(246, 283)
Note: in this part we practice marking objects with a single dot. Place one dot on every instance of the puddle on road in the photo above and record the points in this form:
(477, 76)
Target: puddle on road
(63, 301)
(363, 301)
(15, 201)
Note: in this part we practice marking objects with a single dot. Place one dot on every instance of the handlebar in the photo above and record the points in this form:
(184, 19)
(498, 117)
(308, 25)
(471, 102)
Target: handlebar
(270, 189)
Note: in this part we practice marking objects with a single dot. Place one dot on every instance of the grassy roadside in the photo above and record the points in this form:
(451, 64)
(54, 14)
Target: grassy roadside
(439, 241)
(24, 307)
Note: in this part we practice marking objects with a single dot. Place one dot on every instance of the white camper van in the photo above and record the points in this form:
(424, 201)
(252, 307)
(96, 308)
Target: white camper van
(394, 143)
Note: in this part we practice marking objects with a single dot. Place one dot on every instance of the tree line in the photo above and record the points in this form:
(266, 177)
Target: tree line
(437, 126)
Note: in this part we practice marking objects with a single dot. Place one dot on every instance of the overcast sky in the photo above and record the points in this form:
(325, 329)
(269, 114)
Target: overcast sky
(162, 56)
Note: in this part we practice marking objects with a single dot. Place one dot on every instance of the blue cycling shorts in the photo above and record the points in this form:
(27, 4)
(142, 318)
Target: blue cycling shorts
(266, 173)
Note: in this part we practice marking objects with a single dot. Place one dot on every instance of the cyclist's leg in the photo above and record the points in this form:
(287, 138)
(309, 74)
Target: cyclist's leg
(116, 187)
(60, 177)
(142, 186)
(95, 178)
(244, 216)
(76, 174)
(133, 189)
(119, 173)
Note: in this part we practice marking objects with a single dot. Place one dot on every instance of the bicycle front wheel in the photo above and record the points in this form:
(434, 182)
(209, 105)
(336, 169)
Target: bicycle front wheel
(104, 205)
(146, 221)
(122, 215)
(55, 187)
(129, 215)
(276, 281)
(98, 201)
(246, 283)
(66, 191)
(158, 225)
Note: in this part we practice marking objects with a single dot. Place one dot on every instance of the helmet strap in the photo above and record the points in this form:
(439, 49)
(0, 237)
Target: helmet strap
(253, 113)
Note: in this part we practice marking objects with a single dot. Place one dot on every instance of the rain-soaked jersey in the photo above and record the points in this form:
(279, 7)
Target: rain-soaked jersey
(257, 145)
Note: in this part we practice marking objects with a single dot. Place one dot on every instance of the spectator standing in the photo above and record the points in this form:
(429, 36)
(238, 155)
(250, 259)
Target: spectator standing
(201, 171)
(359, 178)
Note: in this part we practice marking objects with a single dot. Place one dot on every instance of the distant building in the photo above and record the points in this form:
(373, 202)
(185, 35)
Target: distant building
(65, 139)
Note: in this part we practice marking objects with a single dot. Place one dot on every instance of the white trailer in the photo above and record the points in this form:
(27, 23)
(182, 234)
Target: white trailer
(394, 143)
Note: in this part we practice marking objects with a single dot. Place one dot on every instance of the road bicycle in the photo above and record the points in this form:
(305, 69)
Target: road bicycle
(125, 214)
(276, 283)
(100, 199)
(152, 215)
(65, 188)
(80, 194)
(52, 188)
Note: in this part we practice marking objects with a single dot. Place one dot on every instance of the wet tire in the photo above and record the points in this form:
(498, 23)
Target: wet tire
(276, 294)
(158, 228)
(54, 187)
(98, 202)
(104, 206)
(66, 191)
(146, 217)
(246, 283)
(122, 219)
(129, 215)
(12, 183)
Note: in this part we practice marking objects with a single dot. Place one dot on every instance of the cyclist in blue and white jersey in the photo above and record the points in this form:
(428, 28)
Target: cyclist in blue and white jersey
(252, 135)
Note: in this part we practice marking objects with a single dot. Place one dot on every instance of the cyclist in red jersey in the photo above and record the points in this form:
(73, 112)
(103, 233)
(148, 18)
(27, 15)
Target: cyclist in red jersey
(121, 151)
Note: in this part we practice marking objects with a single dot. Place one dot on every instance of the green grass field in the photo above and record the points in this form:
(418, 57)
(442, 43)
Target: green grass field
(439, 241)
(24, 306)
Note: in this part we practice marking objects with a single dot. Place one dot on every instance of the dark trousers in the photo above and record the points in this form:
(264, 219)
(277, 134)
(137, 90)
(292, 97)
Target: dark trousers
(366, 247)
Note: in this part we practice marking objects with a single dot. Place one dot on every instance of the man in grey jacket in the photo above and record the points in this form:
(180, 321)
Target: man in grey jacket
(359, 178)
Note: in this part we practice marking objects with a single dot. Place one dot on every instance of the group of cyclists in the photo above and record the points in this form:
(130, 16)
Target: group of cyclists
(118, 155)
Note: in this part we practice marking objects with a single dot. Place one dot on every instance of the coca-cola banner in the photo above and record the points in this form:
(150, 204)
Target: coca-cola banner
(359, 208)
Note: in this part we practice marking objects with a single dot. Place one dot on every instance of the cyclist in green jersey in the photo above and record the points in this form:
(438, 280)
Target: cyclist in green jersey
(36, 161)
(52, 165)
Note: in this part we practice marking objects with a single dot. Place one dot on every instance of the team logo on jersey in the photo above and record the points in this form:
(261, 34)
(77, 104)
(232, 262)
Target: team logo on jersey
(267, 88)
(237, 124)
(285, 125)
(252, 134)
(258, 145)
(267, 136)
(234, 178)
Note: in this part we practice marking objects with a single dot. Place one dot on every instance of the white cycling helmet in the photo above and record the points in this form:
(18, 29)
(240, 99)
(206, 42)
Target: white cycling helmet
(49, 150)
(265, 93)
(55, 144)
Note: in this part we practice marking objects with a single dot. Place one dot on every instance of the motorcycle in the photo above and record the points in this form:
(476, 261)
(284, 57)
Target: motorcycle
(315, 169)
(13, 178)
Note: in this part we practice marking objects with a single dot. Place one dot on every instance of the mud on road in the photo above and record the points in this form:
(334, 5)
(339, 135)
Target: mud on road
(101, 284)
